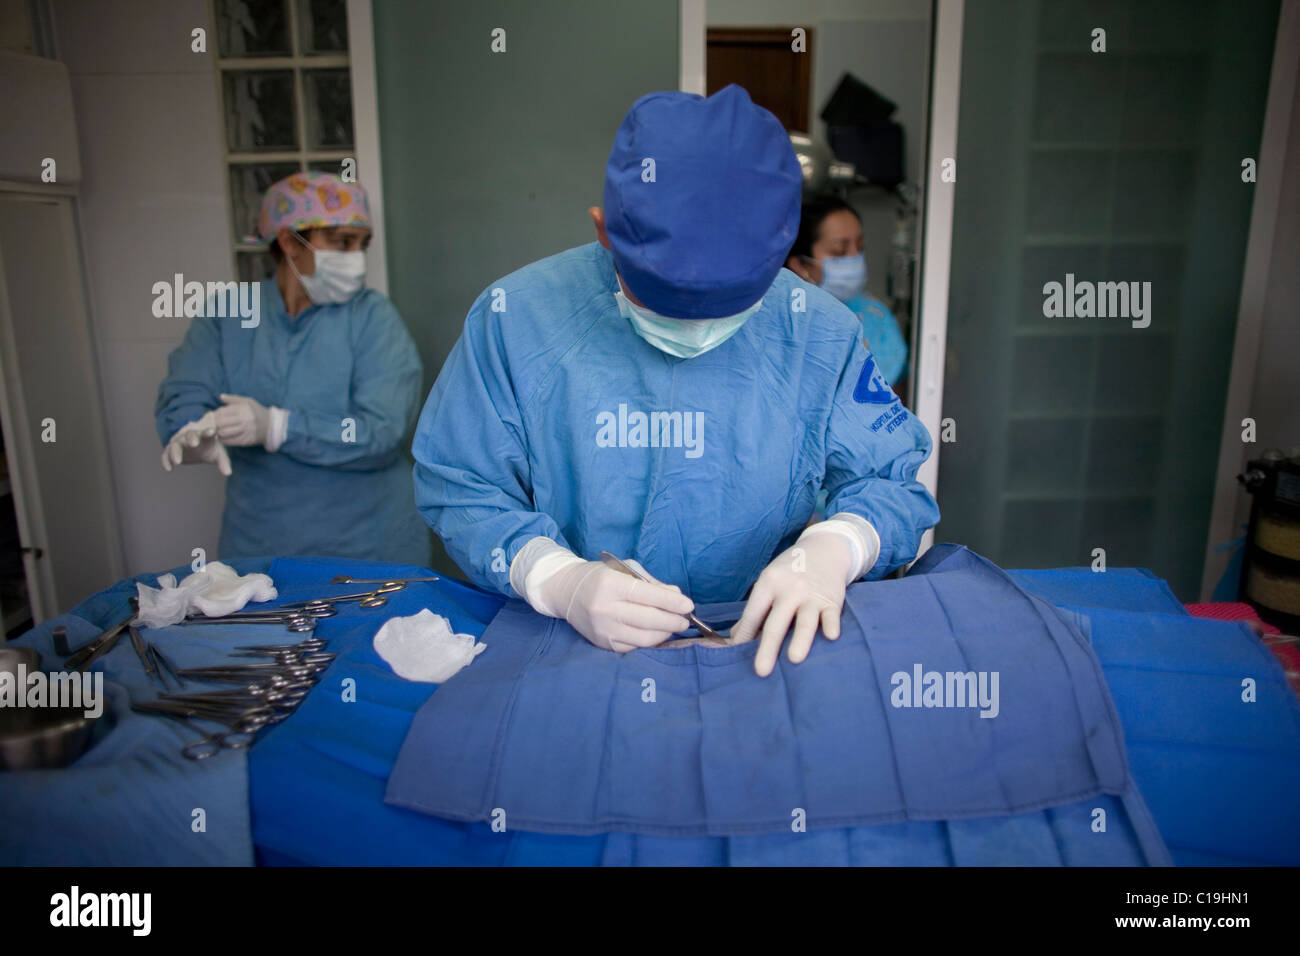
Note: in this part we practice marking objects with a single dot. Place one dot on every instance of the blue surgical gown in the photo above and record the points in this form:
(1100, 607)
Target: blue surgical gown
(350, 377)
(537, 425)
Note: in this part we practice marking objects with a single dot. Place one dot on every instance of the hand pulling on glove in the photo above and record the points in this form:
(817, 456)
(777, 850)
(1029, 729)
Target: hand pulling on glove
(242, 420)
(197, 443)
(245, 421)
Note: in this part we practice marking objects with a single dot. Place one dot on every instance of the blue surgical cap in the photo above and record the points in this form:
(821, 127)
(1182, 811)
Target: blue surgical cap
(705, 236)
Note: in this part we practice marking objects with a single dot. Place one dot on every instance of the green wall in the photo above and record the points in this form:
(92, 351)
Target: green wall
(490, 160)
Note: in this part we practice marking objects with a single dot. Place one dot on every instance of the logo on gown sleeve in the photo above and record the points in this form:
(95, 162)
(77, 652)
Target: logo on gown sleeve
(871, 387)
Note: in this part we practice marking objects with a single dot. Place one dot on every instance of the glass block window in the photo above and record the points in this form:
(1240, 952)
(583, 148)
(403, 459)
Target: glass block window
(286, 95)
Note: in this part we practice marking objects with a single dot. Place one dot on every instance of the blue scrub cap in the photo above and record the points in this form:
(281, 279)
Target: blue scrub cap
(706, 237)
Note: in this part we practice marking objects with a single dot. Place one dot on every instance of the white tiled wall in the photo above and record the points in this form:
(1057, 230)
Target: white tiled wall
(153, 203)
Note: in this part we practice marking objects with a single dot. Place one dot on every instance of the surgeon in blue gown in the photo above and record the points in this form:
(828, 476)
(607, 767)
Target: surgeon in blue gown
(305, 409)
(671, 394)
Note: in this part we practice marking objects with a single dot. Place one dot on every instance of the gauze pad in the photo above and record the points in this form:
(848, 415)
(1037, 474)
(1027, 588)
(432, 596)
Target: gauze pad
(422, 647)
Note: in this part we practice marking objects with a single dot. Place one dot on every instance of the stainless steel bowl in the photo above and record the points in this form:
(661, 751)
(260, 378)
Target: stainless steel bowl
(36, 737)
(11, 657)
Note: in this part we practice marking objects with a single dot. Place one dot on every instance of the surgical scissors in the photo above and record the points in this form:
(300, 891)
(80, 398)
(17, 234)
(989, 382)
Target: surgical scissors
(375, 598)
(83, 657)
(257, 713)
(138, 643)
(305, 646)
(344, 579)
(297, 623)
(283, 699)
(267, 612)
(267, 692)
(242, 726)
(270, 681)
(275, 675)
(290, 664)
(164, 664)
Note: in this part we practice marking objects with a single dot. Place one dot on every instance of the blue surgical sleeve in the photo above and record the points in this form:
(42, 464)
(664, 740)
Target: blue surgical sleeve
(472, 476)
(196, 377)
(385, 392)
(874, 447)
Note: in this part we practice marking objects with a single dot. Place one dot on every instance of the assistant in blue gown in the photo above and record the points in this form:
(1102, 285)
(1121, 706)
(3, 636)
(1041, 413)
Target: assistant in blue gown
(349, 377)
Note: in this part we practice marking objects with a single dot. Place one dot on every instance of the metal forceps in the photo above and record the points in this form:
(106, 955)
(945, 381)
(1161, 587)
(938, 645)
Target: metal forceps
(297, 623)
(141, 652)
(285, 612)
(288, 670)
(619, 564)
(344, 579)
(241, 726)
(84, 656)
(306, 646)
(268, 689)
(164, 666)
(282, 700)
(376, 598)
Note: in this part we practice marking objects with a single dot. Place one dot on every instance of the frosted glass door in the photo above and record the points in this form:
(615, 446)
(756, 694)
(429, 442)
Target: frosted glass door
(1076, 432)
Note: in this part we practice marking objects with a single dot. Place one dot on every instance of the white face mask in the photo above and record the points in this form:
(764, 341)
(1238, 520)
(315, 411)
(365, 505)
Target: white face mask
(684, 338)
(338, 276)
(844, 276)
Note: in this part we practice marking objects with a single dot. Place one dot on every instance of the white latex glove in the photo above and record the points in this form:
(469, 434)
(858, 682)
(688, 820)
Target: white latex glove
(242, 421)
(611, 609)
(197, 443)
(804, 586)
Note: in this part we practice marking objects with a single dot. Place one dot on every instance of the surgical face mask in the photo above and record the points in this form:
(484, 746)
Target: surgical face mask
(684, 338)
(844, 276)
(338, 277)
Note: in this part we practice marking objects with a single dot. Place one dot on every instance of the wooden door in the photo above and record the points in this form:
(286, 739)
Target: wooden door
(761, 60)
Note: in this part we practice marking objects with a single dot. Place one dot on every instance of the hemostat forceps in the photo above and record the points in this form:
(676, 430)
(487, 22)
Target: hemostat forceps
(376, 598)
(344, 579)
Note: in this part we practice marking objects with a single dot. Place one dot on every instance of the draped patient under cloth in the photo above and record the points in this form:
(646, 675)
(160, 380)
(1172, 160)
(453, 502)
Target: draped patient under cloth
(548, 733)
